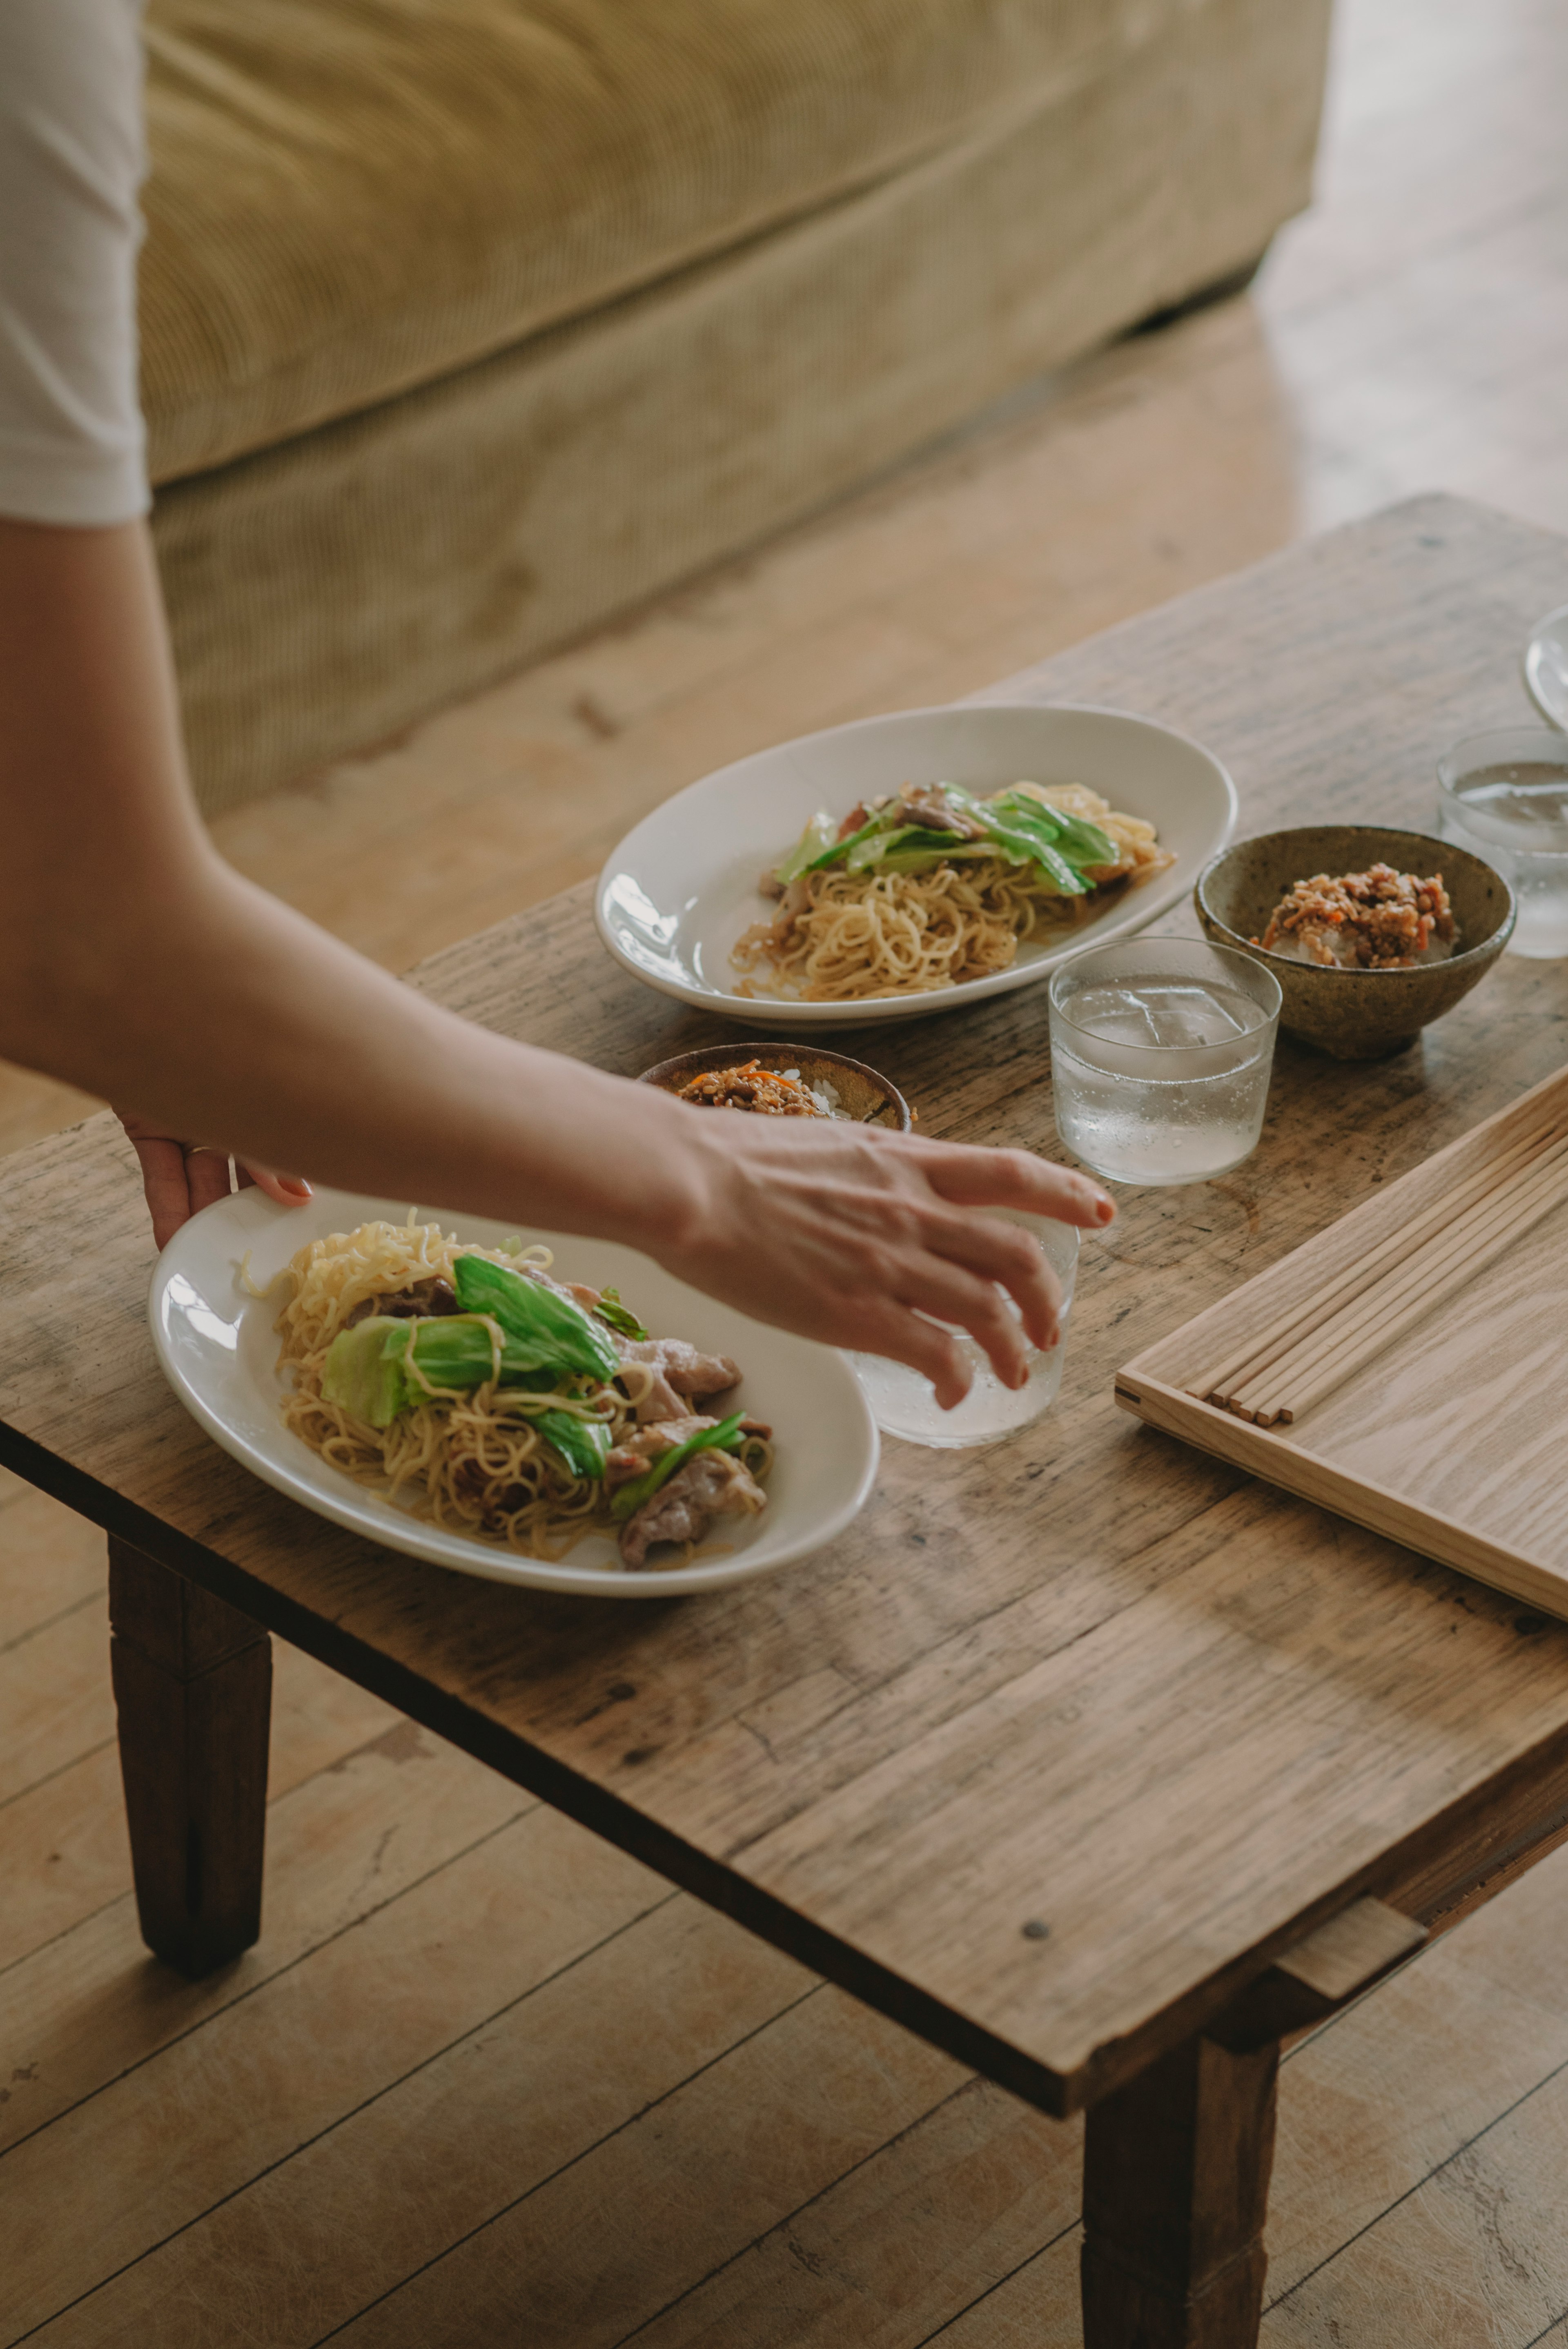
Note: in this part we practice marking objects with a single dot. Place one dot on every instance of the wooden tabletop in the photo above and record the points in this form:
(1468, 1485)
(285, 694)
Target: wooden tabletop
(1091, 1681)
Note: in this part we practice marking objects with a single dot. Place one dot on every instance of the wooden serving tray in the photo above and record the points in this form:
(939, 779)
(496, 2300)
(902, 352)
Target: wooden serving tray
(1454, 1440)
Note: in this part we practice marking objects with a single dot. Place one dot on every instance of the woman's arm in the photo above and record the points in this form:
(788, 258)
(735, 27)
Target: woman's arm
(135, 963)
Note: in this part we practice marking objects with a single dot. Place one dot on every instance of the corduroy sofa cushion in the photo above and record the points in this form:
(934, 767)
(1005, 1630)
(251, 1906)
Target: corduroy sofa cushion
(350, 198)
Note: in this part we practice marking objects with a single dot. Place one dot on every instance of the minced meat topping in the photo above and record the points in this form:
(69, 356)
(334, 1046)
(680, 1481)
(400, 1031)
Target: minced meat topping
(1375, 920)
(770, 1092)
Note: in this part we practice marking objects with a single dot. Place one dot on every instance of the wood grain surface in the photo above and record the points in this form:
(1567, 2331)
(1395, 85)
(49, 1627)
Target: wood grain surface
(1091, 1679)
(1450, 1439)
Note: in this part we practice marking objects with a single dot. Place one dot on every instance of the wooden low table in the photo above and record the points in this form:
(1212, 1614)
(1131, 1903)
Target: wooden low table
(1091, 1760)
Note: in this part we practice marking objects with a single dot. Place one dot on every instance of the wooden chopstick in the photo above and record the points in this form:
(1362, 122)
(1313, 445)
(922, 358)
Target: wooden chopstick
(1243, 1367)
(1399, 1250)
(1355, 1352)
(1388, 1294)
(1472, 1231)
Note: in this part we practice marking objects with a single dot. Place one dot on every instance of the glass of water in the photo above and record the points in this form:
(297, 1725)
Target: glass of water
(1505, 795)
(1160, 1054)
(903, 1403)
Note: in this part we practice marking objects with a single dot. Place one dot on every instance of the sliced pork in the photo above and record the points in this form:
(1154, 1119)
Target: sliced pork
(709, 1484)
(679, 1373)
(934, 812)
(637, 1455)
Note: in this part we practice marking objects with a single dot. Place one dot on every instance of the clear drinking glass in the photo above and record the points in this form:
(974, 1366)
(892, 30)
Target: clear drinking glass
(1505, 796)
(903, 1403)
(1160, 1054)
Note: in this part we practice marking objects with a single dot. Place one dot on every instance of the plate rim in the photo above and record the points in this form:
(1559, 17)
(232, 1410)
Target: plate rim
(901, 1007)
(460, 1553)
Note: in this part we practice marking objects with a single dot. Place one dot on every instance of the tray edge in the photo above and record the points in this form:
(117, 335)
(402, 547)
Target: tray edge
(1311, 1478)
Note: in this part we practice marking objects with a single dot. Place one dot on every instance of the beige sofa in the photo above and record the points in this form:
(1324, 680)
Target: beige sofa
(466, 323)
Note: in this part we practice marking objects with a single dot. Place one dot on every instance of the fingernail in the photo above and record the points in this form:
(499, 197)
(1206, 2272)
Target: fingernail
(295, 1187)
(1105, 1208)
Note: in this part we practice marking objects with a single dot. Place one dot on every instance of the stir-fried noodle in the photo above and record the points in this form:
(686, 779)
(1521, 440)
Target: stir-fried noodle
(473, 1460)
(840, 936)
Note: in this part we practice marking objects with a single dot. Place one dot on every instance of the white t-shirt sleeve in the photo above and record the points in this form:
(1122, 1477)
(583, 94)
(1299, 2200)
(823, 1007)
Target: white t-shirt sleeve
(72, 447)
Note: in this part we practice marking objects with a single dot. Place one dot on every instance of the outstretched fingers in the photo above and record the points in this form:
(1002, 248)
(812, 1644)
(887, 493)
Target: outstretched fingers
(946, 1292)
(1006, 1257)
(884, 1328)
(968, 1178)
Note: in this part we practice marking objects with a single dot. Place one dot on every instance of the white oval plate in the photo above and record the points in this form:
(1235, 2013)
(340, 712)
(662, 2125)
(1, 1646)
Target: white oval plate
(1546, 668)
(217, 1348)
(675, 896)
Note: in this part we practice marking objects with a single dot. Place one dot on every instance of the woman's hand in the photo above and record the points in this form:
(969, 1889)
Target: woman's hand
(865, 1239)
(245, 1023)
(179, 1178)
(856, 1239)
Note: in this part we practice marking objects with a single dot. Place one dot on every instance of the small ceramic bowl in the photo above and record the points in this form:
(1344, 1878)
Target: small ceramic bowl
(1356, 1015)
(863, 1097)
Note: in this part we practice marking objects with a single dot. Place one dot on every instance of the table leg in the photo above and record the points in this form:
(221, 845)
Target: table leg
(1176, 2180)
(193, 1684)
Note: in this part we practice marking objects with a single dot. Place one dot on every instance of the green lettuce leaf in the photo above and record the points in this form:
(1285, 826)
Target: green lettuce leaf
(1026, 831)
(1029, 848)
(911, 842)
(816, 836)
(583, 1443)
(544, 1331)
(1080, 842)
(839, 852)
(366, 1368)
(362, 1377)
(368, 1372)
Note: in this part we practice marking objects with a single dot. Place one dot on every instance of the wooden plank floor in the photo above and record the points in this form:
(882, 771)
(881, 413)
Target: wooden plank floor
(486, 2080)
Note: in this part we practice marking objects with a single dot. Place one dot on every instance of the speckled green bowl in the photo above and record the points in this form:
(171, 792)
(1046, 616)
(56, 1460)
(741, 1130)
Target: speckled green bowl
(1357, 1015)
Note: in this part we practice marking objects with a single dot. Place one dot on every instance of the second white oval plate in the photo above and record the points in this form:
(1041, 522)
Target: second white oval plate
(1546, 668)
(676, 894)
(216, 1346)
